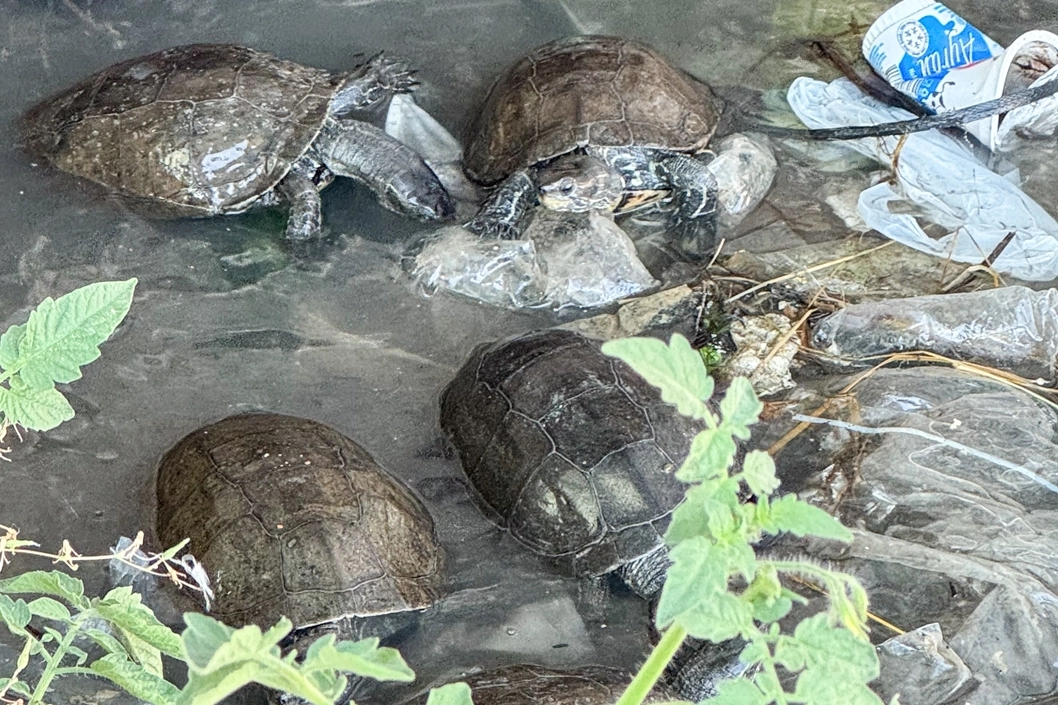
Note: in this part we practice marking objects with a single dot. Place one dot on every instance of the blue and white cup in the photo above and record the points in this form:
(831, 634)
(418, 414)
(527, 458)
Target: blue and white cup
(928, 52)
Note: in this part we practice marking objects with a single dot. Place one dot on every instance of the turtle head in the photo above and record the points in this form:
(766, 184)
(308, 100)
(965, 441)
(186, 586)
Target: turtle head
(418, 192)
(579, 183)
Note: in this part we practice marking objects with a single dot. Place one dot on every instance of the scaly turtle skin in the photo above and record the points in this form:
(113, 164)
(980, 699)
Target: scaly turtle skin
(211, 129)
(594, 122)
(292, 518)
(535, 685)
(571, 451)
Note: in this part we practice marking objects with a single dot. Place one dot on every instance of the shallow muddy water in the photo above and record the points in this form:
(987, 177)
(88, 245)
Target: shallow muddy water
(225, 321)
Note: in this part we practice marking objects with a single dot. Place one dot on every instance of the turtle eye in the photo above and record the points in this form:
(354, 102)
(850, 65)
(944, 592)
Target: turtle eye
(565, 186)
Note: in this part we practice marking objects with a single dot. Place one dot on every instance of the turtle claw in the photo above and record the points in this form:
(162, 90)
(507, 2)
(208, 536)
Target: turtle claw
(392, 74)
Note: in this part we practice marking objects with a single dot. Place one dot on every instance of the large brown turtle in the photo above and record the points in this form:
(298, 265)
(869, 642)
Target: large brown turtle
(210, 129)
(292, 518)
(594, 123)
(571, 451)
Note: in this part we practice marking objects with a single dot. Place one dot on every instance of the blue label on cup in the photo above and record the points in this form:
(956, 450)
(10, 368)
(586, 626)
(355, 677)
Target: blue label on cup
(934, 46)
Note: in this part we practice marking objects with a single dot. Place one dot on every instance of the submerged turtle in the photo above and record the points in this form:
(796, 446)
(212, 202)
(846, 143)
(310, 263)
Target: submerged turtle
(594, 123)
(292, 518)
(571, 451)
(211, 129)
(535, 685)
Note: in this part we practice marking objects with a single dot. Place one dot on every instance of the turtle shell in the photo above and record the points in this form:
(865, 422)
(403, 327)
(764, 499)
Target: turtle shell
(195, 130)
(535, 685)
(587, 90)
(292, 518)
(567, 448)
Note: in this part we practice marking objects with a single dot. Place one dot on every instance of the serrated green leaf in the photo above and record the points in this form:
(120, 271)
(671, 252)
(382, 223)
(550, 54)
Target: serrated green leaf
(740, 408)
(123, 608)
(203, 636)
(108, 642)
(17, 688)
(135, 679)
(719, 619)
(833, 648)
(50, 609)
(363, 658)
(737, 691)
(788, 513)
(450, 694)
(36, 409)
(819, 686)
(676, 369)
(695, 576)
(737, 557)
(47, 582)
(709, 457)
(15, 614)
(9, 343)
(63, 334)
(758, 471)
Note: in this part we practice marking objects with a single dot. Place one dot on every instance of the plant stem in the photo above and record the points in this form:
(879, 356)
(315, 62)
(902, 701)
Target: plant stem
(50, 671)
(648, 675)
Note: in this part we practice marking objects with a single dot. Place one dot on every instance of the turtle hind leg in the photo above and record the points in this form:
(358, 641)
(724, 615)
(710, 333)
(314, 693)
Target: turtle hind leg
(502, 213)
(305, 219)
(695, 195)
(398, 176)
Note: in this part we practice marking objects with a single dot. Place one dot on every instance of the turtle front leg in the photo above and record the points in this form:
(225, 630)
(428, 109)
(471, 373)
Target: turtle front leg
(695, 193)
(305, 218)
(502, 213)
(403, 182)
(372, 84)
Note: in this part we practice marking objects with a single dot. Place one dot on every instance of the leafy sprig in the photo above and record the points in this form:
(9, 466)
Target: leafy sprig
(60, 336)
(711, 538)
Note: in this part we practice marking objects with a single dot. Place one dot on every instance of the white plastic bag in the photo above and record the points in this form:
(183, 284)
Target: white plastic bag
(946, 183)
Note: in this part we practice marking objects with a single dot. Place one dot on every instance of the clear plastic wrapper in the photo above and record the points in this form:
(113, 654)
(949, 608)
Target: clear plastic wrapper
(566, 260)
(948, 482)
(1013, 328)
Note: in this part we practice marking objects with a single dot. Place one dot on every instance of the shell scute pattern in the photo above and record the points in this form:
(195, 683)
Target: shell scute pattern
(221, 126)
(561, 445)
(294, 519)
(602, 91)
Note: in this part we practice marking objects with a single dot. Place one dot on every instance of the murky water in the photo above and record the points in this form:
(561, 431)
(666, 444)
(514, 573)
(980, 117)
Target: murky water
(224, 321)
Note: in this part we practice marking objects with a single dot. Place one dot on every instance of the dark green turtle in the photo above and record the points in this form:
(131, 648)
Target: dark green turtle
(292, 518)
(536, 685)
(211, 129)
(571, 451)
(594, 123)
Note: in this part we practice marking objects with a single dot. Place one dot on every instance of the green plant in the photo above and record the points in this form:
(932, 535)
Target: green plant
(60, 336)
(132, 641)
(711, 539)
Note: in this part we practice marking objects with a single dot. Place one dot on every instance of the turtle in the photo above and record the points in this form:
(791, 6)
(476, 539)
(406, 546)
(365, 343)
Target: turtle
(210, 129)
(604, 123)
(525, 684)
(294, 519)
(571, 452)
(594, 123)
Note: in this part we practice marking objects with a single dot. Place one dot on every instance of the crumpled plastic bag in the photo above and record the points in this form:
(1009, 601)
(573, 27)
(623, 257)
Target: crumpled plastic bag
(1013, 328)
(744, 169)
(947, 481)
(566, 259)
(945, 182)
